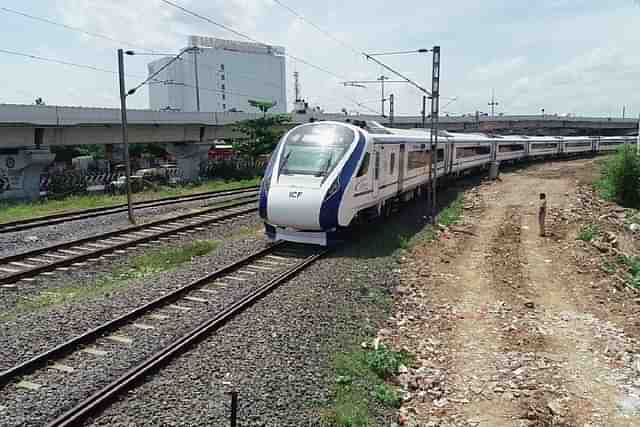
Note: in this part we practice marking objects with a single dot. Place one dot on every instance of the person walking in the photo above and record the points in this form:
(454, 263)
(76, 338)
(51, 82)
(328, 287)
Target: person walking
(542, 214)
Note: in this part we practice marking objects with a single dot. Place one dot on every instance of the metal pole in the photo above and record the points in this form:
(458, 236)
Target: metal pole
(234, 409)
(638, 141)
(424, 112)
(382, 88)
(125, 136)
(195, 64)
(391, 109)
(435, 107)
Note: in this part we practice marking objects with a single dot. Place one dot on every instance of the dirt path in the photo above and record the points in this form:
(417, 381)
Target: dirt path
(503, 322)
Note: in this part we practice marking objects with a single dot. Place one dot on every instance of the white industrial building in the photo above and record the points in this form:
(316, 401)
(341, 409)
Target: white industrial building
(221, 75)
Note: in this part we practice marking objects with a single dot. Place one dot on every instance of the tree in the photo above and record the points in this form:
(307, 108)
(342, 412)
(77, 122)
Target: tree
(262, 135)
(263, 106)
(39, 101)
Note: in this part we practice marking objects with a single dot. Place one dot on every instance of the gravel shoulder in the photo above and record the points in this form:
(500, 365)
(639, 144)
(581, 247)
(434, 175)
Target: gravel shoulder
(21, 241)
(29, 333)
(514, 331)
(278, 354)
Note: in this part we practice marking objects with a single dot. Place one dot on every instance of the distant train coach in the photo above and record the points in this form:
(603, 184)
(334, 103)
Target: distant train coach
(323, 175)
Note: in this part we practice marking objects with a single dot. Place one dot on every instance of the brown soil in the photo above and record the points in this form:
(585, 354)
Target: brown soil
(518, 329)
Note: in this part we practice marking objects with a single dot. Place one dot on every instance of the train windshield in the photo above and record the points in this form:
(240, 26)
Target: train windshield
(315, 149)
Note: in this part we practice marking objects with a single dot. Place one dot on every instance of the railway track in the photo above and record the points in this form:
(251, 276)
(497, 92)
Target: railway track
(275, 265)
(27, 265)
(43, 221)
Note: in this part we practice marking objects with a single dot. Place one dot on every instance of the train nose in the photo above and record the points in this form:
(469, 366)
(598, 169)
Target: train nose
(294, 207)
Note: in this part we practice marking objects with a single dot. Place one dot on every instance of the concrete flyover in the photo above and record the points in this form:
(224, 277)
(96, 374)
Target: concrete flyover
(27, 132)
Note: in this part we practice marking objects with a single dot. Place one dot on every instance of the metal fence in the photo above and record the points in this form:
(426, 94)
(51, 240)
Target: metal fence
(234, 168)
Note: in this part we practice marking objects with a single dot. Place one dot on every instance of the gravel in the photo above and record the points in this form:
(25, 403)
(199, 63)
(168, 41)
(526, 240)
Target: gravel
(93, 269)
(31, 333)
(277, 354)
(21, 241)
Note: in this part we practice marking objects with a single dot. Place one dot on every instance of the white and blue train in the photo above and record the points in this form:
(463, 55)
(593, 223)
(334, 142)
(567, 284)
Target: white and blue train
(324, 175)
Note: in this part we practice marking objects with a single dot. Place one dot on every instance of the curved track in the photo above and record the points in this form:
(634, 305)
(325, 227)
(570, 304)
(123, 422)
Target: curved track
(26, 265)
(278, 263)
(44, 221)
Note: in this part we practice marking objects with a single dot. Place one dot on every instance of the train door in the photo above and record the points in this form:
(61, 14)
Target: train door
(376, 171)
(401, 168)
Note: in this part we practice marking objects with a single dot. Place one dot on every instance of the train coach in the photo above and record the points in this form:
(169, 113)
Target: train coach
(324, 175)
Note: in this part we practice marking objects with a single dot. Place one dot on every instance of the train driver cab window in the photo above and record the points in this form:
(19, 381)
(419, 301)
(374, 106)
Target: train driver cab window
(392, 163)
(364, 167)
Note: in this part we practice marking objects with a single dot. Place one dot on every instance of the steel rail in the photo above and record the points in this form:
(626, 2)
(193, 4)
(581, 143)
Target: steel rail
(102, 398)
(68, 346)
(53, 219)
(30, 272)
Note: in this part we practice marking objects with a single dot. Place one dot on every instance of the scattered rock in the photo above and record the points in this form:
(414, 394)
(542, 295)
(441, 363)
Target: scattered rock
(529, 304)
(556, 408)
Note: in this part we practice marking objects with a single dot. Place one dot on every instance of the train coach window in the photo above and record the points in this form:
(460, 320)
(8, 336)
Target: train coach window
(535, 146)
(578, 144)
(507, 148)
(472, 151)
(417, 159)
(392, 163)
(364, 167)
(440, 155)
(377, 166)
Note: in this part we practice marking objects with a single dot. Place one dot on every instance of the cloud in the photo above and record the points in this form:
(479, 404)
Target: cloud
(565, 55)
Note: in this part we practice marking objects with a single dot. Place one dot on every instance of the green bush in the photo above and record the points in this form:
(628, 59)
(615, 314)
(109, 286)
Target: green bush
(387, 395)
(588, 232)
(384, 362)
(633, 267)
(620, 180)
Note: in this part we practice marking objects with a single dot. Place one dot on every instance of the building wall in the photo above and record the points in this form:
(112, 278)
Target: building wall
(227, 80)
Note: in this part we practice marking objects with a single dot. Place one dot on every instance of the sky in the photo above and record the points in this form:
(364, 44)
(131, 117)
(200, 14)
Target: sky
(566, 56)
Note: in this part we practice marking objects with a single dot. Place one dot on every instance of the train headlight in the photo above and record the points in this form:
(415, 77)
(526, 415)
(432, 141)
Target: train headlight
(333, 189)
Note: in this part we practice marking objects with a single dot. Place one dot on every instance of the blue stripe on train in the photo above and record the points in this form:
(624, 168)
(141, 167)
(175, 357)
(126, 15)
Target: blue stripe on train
(262, 204)
(330, 207)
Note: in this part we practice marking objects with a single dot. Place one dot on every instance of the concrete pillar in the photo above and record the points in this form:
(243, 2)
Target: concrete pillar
(20, 170)
(494, 169)
(189, 156)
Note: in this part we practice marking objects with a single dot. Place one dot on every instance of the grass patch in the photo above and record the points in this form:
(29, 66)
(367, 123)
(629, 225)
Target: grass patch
(385, 362)
(387, 395)
(588, 232)
(15, 211)
(452, 213)
(620, 177)
(360, 382)
(138, 267)
(632, 264)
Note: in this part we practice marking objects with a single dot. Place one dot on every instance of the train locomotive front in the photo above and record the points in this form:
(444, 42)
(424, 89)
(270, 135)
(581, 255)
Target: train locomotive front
(302, 195)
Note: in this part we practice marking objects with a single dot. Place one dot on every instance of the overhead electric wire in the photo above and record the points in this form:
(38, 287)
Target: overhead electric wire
(317, 27)
(62, 62)
(125, 43)
(118, 42)
(69, 27)
(245, 36)
(366, 55)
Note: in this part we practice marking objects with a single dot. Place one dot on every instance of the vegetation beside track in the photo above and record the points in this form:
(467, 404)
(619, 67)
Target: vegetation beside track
(361, 375)
(16, 211)
(361, 386)
(151, 263)
(620, 177)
